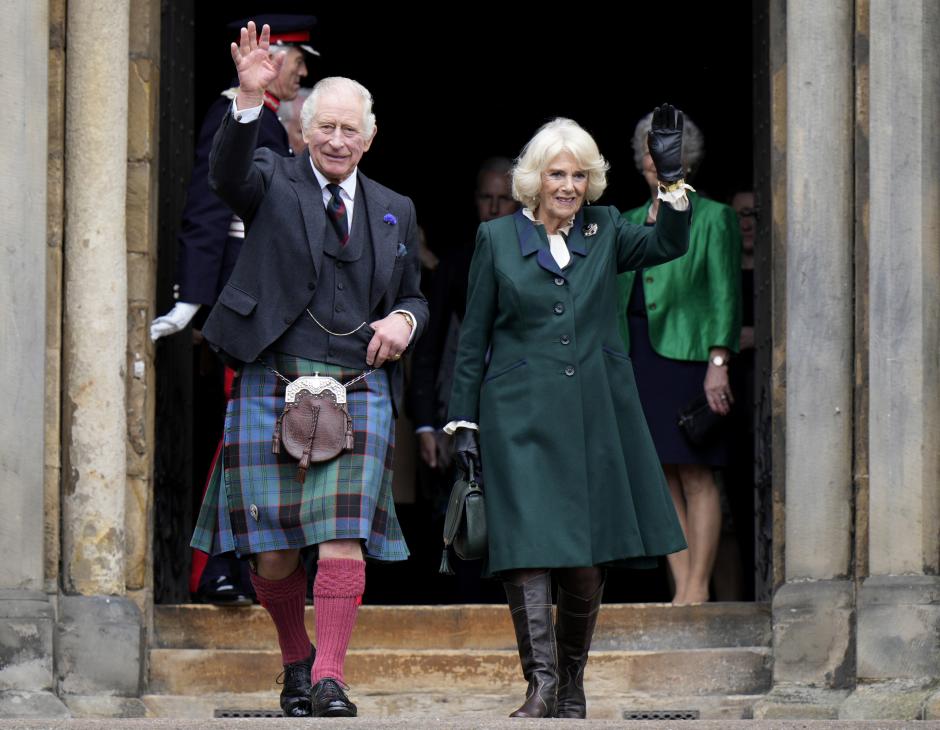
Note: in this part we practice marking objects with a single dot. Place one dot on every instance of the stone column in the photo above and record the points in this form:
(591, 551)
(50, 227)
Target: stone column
(26, 615)
(813, 610)
(899, 603)
(99, 645)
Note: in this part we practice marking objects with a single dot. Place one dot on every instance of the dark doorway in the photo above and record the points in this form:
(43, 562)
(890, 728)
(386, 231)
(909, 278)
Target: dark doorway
(451, 89)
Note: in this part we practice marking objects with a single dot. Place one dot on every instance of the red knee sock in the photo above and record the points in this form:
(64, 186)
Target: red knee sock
(284, 599)
(337, 592)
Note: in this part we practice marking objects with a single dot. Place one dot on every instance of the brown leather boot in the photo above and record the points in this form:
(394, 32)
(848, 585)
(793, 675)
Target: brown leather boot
(531, 607)
(574, 627)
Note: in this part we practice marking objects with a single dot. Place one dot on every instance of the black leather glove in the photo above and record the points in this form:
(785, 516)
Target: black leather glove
(665, 143)
(467, 452)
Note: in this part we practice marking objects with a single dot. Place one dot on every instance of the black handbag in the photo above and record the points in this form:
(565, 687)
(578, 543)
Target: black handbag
(699, 422)
(465, 522)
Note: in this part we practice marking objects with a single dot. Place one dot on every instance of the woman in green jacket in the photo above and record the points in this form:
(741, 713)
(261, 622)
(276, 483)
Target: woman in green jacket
(572, 479)
(680, 322)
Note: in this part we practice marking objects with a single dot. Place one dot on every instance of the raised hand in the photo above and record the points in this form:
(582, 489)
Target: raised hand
(665, 143)
(256, 67)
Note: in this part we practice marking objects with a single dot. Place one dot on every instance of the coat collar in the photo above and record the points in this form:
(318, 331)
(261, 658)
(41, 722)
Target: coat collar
(533, 239)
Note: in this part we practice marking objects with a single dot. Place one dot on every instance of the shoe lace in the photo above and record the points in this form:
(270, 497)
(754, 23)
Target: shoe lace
(288, 672)
(334, 688)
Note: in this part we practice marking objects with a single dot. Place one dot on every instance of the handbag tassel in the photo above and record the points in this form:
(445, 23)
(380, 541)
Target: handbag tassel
(445, 568)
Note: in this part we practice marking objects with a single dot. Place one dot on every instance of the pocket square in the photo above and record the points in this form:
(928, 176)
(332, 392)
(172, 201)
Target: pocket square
(402, 250)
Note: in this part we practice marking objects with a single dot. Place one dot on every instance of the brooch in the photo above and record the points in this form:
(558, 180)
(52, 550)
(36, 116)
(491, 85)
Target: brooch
(589, 229)
(390, 219)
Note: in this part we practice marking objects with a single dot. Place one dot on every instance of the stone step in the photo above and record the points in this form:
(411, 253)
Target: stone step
(631, 627)
(726, 671)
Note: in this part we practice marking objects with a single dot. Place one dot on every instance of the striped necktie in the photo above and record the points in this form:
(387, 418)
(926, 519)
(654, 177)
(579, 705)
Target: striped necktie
(336, 210)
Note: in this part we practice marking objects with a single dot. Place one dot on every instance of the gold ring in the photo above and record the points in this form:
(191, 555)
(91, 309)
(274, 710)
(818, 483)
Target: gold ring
(395, 357)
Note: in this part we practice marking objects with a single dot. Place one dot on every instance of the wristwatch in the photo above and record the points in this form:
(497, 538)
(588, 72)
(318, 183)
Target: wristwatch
(719, 361)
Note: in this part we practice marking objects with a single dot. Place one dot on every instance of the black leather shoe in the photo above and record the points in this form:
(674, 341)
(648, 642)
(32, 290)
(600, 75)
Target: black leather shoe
(328, 700)
(223, 591)
(295, 696)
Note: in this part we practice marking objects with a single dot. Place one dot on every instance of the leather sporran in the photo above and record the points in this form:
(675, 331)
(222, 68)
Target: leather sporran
(315, 425)
(465, 522)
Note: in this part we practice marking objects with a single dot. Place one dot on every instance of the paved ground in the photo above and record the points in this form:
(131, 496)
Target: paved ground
(415, 723)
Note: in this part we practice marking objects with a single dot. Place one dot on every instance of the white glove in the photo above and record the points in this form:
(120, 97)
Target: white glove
(173, 321)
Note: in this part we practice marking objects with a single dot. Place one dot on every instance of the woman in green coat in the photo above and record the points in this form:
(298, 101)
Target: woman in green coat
(544, 397)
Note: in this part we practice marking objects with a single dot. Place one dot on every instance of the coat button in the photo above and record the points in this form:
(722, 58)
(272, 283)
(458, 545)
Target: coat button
(253, 510)
(653, 306)
(565, 340)
(569, 371)
(338, 308)
(559, 308)
(339, 264)
(649, 279)
(340, 286)
(311, 286)
(559, 281)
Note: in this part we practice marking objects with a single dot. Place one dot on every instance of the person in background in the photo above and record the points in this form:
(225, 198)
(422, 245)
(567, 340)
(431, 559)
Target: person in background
(681, 321)
(289, 116)
(739, 479)
(209, 240)
(447, 300)
(544, 399)
(432, 367)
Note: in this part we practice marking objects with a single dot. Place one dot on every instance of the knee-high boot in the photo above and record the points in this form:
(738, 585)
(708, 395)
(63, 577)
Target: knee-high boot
(574, 627)
(531, 607)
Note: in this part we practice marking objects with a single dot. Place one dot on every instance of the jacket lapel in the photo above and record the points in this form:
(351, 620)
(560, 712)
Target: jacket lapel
(385, 238)
(310, 198)
(533, 239)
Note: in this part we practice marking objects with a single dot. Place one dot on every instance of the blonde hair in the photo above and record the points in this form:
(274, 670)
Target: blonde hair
(557, 136)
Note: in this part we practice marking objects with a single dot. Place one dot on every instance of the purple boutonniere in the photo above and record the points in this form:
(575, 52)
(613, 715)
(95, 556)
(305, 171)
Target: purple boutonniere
(390, 219)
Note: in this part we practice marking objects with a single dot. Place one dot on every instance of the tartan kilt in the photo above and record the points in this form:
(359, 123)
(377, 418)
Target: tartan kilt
(349, 497)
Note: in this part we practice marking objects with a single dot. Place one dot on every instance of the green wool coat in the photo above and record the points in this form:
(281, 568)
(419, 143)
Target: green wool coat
(694, 302)
(571, 476)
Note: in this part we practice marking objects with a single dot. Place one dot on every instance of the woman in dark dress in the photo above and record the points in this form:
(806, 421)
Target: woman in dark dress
(681, 322)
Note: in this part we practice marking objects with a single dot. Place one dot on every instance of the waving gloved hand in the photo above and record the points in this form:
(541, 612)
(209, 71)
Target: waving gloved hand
(173, 321)
(665, 143)
(467, 452)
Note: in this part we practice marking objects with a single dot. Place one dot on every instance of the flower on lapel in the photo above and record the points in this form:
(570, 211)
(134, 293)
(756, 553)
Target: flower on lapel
(390, 219)
(402, 250)
(589, 229)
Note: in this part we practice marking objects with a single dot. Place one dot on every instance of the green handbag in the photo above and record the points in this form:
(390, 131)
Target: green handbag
(465, 522)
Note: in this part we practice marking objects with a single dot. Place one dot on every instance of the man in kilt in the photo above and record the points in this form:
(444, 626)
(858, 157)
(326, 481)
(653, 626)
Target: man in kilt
(327, 282)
